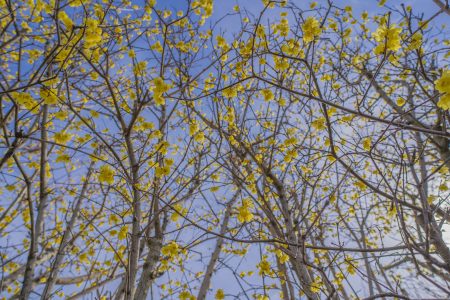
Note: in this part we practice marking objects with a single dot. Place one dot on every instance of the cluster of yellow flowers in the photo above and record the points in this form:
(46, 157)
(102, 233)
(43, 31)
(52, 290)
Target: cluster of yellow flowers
(179, 211)
(123, 232)
(199, 136)
(283, 257)
(319, 124)
(25, 100)
(291, 152)
(206, 5)
(292, 47)
(280, 63)
(76, 3)
(106, 174)
(93, 33)
(67, 21)
(162, 170)
(159, 88)
(157, 47)
(222, 43)
(351, 264)
(186, 295)
(267, 94)
(230, 92)
(388, 38)
(230, 116)
(193, 128)
(282, 28)
(316, 285)
(140, 67)
(264, 266)
(63, 158)
(171, 249)
(220, 295)
(62, 137)
(311, 29)
(49, 96)
(443, 86)
(367, 144)
(416, 41)
(244, 214)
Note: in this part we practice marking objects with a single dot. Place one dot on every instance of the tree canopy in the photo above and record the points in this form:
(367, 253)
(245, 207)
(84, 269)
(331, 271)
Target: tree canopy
(181, 150)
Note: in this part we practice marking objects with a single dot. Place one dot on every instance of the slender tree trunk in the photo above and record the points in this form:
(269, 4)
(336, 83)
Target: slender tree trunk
(135, 231)
(35, 234)
(303, 276)
(215, 255)
(283, 280)
(46, 294)
(154, 249)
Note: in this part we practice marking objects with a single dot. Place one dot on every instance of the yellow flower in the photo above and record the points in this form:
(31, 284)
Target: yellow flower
(61, 115)
(26, 27)
(206, 5)
(162, 171)
(157, 47)
(75, 3)
(93, 33)
(388, 38)
(49, 96)
(140, 67)
(193, 128)
(260, 31)
(62, 137)
(283, 257)
(25, 100)
(185, 295)
(316, 285)
(64, 158)
(367, 144)
(443, 86)
(230, 92)
(282, 27)
(264, 266)
(319, 124)
(199, 137)
(244, 214)
(106, 174)
(83, 257)
(443, 83)
(281, 64)
(401, 101)
(113, 219)
(416, 41)
(222, 43)
(171, 249)
(65, 19)
(351, 265)
(360, 185)
(159, 88)
(267, 94)
(311, 29)
(178, 209)
(123, 233)
(220, 295)
(392, 211)
(444, 102)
